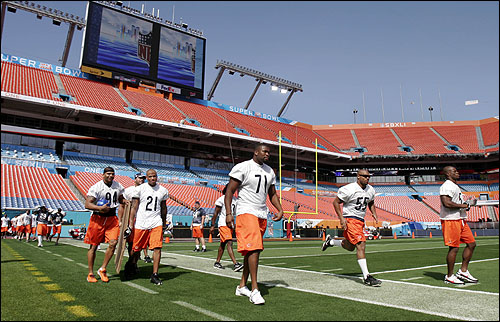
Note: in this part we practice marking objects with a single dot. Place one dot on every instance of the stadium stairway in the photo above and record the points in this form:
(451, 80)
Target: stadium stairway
(75, 190)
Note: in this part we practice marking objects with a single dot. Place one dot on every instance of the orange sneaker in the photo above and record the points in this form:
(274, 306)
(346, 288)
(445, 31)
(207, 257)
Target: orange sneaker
(91, 278)
(102, 274)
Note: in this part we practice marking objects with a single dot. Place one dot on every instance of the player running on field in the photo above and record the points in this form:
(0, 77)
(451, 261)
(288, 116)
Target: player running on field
(356, 197)
(5, 225)
(226, 233)
(149, 212)
(42, 218)
(57, 218)
(104, 226)
(196, 227)
(254, 181)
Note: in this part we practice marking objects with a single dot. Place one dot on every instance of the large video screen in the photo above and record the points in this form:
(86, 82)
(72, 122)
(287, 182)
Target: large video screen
(120, 42)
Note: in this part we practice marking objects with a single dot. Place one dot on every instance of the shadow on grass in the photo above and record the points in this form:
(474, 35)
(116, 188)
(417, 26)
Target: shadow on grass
(15, 261)
(435, 275)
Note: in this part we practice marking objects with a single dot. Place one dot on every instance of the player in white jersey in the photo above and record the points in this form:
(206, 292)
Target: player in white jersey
(128, 195)
(454, 226)
(149, 212)
(254, 181)
(26, 225)
(5, 225)
(33, 225)
(103, 199)
(196, 227)
(225, 233)
(356, 197)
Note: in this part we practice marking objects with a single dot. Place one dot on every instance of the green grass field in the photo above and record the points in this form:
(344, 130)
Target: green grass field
(297, 280)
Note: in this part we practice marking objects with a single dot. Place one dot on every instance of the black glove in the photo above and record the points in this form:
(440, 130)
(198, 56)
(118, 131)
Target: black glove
(127, 233)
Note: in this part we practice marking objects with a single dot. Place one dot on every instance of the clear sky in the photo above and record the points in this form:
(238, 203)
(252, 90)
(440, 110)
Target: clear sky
(336, 50)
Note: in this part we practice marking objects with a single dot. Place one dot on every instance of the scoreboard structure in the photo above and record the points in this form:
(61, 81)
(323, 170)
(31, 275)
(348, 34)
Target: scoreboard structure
(128, 46)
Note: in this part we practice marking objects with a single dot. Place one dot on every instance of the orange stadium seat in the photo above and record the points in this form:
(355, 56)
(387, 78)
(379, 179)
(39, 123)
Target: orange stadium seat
(28, 81)
(153, 106)
(378, 141)
(490, 133)
(422, 140)
(463, 136)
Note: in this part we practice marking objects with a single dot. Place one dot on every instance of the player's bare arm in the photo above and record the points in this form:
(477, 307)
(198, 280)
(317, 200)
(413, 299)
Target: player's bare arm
(133, 212)
(90, 203)
(336, 205)
(214, 218)
(446, 201)
(373, 209)
(163, 212)
(273, 196)
(232, 186)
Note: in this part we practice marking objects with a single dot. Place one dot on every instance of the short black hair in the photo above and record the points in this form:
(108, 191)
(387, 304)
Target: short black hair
(108, 169)
(197, 202)
(260, 144)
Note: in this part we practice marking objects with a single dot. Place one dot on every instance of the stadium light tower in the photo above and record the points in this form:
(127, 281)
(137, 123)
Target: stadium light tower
(430, 111)
(57, 17)
(262, 78)
(355, 111)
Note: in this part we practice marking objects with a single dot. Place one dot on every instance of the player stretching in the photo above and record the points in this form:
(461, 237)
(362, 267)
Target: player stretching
(356, 197)
(254, 181)
(226, 233)
(104, 226)
(455, 229)
(149, 212)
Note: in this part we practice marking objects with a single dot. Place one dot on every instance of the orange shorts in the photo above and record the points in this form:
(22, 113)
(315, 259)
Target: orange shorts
(4, 229)
(354, 232)
(249, 233)
(102, 230)
(225, 233)
(33, 230)
(26, 229)
(42, 229)
(56, 229)
(145, 237)
(456, 232)
(197, 232)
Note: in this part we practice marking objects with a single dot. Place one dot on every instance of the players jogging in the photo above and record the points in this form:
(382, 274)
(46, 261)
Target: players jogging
(56, 219)
(254, 181)
(226, 233)
(149, 212)
(104, 224)
(455, 229)
(42, 218)
(356, 197)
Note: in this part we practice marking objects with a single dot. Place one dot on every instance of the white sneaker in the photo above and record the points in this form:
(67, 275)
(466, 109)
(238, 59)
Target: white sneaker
(256, 298)
(244, 291)
(466, 276)
(453, 279)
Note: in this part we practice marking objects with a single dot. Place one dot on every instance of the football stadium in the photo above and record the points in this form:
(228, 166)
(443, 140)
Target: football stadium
(138, 102)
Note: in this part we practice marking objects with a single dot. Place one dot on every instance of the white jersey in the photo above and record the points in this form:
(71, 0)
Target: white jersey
(222, 214)
(111, 193)
(5, 221)
(356, 200)
(129, 192)
(25, 219)
(448, 188)
(33, 220)
(255, 182)
(13, 222)
(149, 213)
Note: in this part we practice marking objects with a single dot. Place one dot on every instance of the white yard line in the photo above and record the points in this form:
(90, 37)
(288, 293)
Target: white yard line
(140, 287)
(203, 311)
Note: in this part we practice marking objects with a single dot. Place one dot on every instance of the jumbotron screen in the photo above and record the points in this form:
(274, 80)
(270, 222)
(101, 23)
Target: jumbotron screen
(121, 42)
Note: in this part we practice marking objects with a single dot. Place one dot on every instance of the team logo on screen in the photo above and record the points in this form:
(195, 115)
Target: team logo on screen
(144, 47)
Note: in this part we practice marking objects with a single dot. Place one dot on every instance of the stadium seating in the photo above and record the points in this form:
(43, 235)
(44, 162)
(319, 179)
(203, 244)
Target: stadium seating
(206, 117)
(342, 139)
(490, 133)
(94, 94)
(97, 163)
(246, 123)
(392, 188)
(422, 140)
(474, 187)
(29, 153)
(378, 141)
(464, 137)
(153, 106)
(29, 81)
(408, 208)
(26, 187)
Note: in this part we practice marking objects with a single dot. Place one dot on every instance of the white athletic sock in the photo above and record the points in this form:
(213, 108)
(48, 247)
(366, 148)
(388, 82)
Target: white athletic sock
(364, 268)
(336, 242)
(203, 247)
(40, 240)
(197, 246)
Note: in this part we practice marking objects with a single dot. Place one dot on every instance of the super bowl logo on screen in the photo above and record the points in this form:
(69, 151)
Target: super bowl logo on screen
(144, 47)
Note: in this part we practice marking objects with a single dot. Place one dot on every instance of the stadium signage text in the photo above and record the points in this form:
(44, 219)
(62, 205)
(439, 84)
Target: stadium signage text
(44, 66)
(393, 124)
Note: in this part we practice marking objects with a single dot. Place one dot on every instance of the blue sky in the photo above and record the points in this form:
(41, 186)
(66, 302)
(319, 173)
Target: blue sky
(336, 50)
